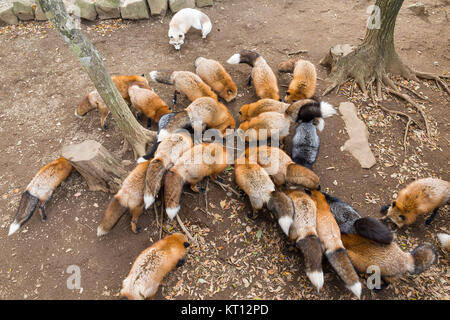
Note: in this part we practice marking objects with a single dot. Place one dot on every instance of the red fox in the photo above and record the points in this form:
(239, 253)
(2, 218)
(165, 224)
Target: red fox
(186, 82)
(281, 167)
(168, 152)
(203, 112)
(303, 85)
(303, 232)
(215, 75)
(252, 110)
(418, 198)
(444, 239)
(93, 99)
(330, 237)
(200, 161)
(39, 190)
(148, 102)
(255, 182)
(152, 265)
(265, 125)
(130, 196)
(392, 261)
(264, 80)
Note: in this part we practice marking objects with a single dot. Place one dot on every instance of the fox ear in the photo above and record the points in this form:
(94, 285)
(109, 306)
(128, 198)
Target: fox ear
(394, 204)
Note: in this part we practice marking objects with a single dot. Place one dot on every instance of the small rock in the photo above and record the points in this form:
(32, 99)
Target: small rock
(23, 9)
(204, 3)
(7, 14)
(418, 8)
(108, 9)
(134, 9)
(177, 5)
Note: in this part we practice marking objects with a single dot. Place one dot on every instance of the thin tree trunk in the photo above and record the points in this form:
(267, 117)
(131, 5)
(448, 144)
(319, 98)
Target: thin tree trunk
(92, 62)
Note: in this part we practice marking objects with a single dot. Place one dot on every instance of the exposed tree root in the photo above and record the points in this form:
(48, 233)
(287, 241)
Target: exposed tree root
(411, 102)
(185, 230)
(410, 120)
(430, 76)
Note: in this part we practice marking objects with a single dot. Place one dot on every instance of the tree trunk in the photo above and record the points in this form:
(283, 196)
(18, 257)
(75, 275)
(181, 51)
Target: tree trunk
(92, 62)
(376, 55)
(101, 170)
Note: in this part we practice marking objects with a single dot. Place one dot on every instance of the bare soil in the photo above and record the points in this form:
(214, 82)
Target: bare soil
(41, 83)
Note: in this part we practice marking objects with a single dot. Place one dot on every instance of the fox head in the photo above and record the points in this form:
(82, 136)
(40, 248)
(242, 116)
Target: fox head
(83, 107)
(397, 214)
(176, 38)
(295, 92)
(243, 113)
(229, 92)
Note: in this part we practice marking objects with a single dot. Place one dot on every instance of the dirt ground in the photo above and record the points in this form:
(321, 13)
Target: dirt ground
(41, 83)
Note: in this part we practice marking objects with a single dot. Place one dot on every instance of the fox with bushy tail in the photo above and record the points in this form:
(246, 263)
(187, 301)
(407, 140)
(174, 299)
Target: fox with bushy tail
(39, 191)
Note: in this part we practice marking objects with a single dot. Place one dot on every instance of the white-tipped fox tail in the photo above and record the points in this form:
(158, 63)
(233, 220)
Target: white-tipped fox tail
(13, 228)
(326, 109)
(234, 59)
(172, 212)
(148, 200)
(356, 289)
(285, 223)
(101, 232)
(316, 278)
(320, 124)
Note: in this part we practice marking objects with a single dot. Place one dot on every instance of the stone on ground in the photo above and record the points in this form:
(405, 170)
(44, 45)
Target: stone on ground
(177, 5)
(158, 7)
(23, 9)
(204, 3)
(108, 9)
(358, 144)
(7, 13)
(134, 9)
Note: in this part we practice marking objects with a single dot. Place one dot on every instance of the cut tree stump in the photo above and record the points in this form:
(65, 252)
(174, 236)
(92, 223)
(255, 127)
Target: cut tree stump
(102, 170)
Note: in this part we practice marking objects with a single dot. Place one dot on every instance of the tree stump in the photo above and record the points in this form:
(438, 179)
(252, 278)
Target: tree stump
(102, 170)
(336, 52)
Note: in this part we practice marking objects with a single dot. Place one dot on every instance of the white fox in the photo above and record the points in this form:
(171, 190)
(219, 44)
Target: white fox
(183, 20)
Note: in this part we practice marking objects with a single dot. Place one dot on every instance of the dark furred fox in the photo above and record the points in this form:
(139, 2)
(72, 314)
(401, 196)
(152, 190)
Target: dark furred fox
(168, 152)
(392, 261)
(330, 237)
(186, 82)
(130, 196)
(303, 232)
(418, 198)
(305, 144)
(39, 191)
(152, 265)
(307, 110)
(281, 167)
(264, 79)
(252, 110)
(351, 222)
(215, 75)
(303, 85)
(201, 161)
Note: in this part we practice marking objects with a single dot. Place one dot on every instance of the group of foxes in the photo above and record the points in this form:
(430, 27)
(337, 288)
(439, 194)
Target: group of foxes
(316, 222)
